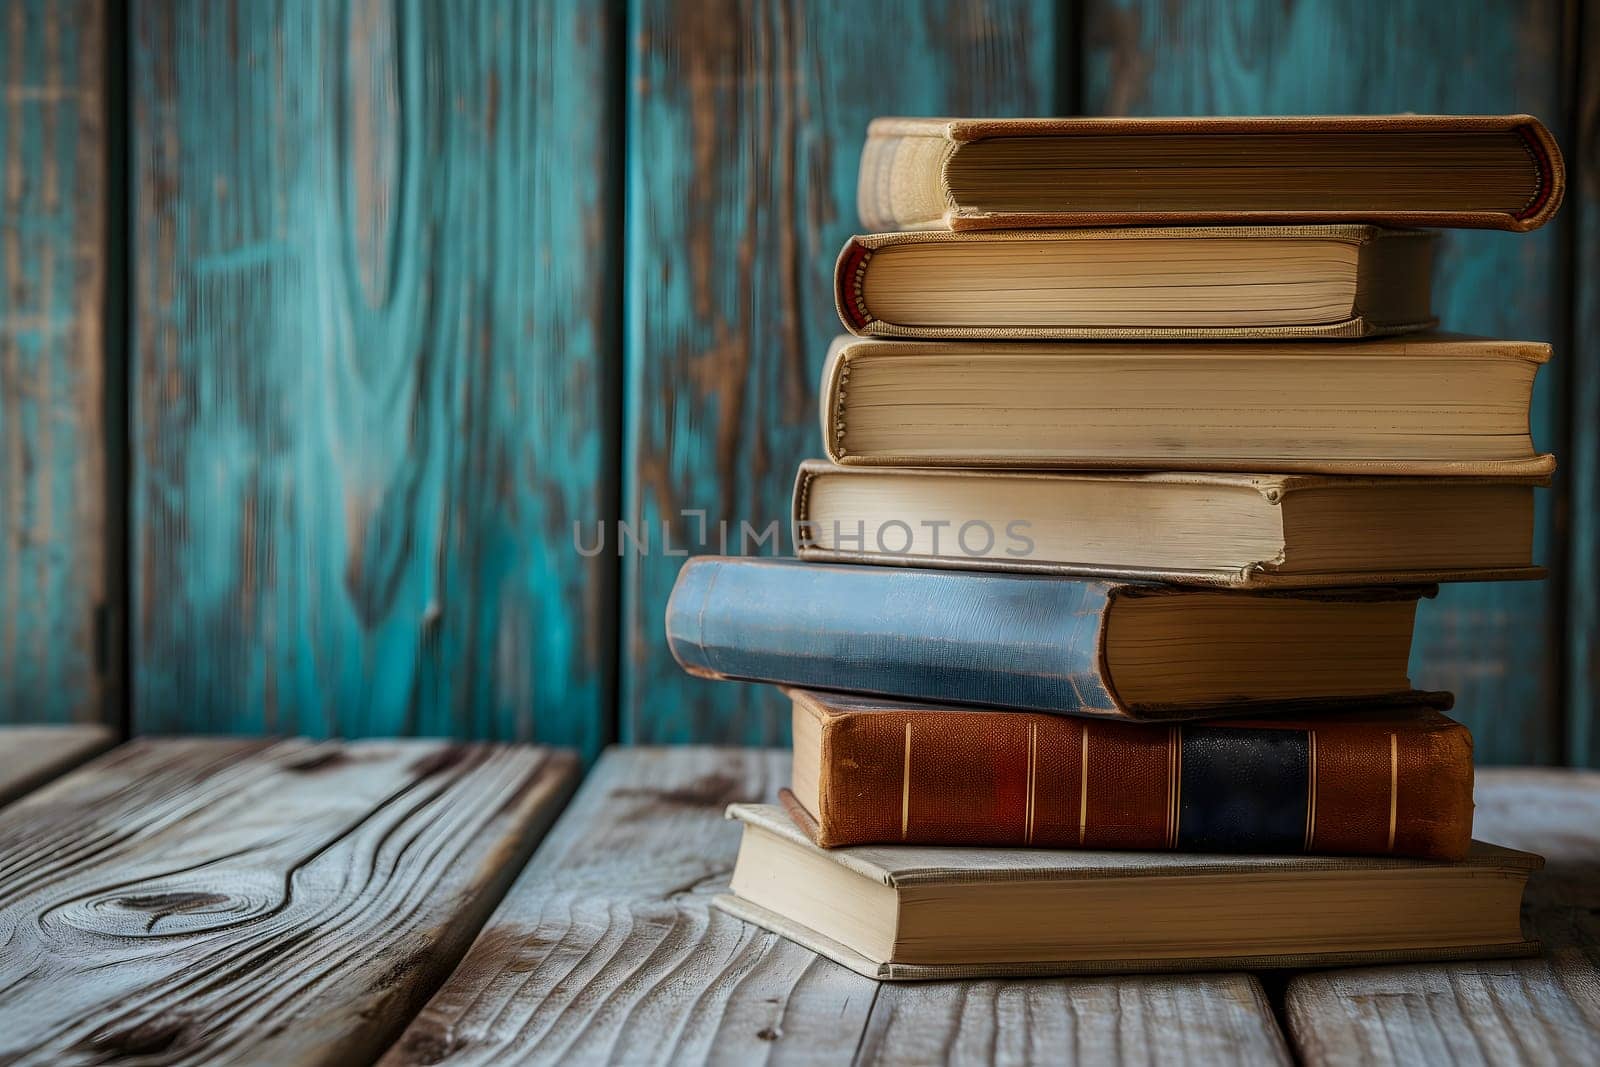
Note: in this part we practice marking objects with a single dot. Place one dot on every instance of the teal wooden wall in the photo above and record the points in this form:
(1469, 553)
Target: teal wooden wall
(374, 368)
(411, 286)
(59, 550)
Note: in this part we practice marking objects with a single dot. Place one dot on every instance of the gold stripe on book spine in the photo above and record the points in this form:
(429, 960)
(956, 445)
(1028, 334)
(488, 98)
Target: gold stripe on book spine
(905, 788)
(1174, 784)
(1083, 789)
(1171, 762)
(1311, 789)
(1394, 786)
(1033, 778)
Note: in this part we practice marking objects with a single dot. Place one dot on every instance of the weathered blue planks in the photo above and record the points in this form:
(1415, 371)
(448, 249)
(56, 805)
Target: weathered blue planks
(57, 663)
(1494, 645)
(745, 124)
(373, 371)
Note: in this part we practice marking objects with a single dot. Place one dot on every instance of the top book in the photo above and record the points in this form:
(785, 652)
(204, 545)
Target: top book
(1500, 172)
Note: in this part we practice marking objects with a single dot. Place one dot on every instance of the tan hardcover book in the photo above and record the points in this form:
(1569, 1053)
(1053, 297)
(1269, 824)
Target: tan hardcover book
(1217, 282)
(1429, 404)
(908, 912)
(1499, 172)
(1237, 530)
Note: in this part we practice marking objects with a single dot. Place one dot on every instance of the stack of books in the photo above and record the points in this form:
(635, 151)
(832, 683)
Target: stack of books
(1140, 457)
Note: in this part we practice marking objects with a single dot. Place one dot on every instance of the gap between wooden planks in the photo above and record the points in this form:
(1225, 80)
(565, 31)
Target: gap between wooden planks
(605, 950)
(230, 900)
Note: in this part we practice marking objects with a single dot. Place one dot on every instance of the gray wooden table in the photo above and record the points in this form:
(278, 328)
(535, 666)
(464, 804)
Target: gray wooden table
(295, 902)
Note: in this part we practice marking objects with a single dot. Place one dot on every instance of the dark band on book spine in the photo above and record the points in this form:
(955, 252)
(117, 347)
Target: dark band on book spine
(1243, 790)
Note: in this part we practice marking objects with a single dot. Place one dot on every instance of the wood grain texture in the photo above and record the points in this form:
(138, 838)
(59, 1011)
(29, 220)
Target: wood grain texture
(221, 901)
(606, 950)
(32, 755)
(374, 367)
(54, 554)
(745, 129)
(1582, 462)
(1489, 643)
(1192, 1019)
(1544, 1010)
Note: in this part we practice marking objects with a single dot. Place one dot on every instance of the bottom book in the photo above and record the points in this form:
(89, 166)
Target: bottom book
(914, 912)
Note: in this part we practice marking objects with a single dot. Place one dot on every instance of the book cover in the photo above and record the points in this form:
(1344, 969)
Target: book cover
(1166, 912)
(1037, 643)
(1394, 781)
(1237, 531)
(1152, 283)
(1486, 171)
(1430, 404)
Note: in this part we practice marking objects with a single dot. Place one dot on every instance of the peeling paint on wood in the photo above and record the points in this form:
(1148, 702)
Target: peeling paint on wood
(53, 494)
(1493, 643)
(376, 329)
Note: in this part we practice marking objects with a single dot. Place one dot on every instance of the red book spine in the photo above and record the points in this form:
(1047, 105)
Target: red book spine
(1375, 783)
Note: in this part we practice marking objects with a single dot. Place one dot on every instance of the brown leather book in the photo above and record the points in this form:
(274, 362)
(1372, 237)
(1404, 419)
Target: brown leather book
(1198, 282)
(1245, 531)
(1423, 404)
(1501, 172)
(1381, 782)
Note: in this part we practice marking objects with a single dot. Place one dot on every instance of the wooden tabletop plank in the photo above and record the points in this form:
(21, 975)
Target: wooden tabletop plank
(1543, 1010)
(284, 902)
(1192, 1019)
(32, 755)
(606, 950)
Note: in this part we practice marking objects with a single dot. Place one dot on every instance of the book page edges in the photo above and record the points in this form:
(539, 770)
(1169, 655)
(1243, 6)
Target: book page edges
(847, 957)
(1272, 486)
(852, 263)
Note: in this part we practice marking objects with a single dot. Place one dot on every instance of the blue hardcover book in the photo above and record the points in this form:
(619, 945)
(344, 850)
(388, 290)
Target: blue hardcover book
(1040, 642)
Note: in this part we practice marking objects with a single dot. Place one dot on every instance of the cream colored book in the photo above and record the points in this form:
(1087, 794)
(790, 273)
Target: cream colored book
(1425, 404)
(1236, 530)
(1195, 282)
(907, 912)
